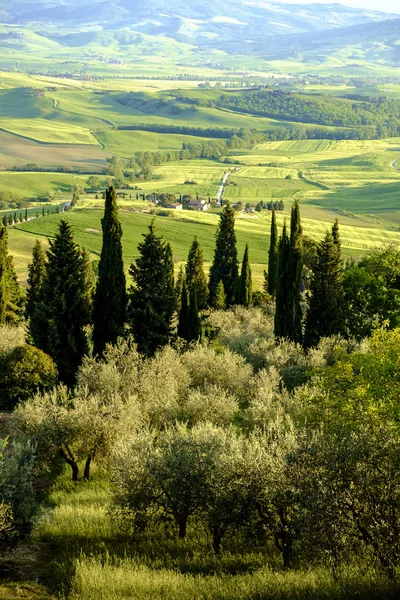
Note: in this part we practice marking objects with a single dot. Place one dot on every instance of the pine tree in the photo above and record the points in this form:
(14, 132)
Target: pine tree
(273, 256)
(59, 317)
(195, 276)
(294, 270)
(152, 296)
(325, 307)
(11, 295)
(220, 298)
(36, 273)
(225, 265)
(245, 283)
(184, 315)
(281, 317)
(109, 306)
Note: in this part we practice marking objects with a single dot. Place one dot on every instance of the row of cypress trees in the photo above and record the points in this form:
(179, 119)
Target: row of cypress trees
(62, 297)
(297, 320)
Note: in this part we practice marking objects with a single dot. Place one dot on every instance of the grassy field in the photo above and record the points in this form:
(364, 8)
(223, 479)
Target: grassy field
(30, 185)
(79, 552)
(179, 229)
(49, 132)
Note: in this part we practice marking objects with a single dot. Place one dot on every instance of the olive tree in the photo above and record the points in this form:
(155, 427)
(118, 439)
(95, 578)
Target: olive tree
(73, 425)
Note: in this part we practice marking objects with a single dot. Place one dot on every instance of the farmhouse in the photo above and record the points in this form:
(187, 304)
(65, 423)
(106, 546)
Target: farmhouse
(199, 204)
(175, 206)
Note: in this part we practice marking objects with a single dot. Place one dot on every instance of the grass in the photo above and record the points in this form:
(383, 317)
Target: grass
(49, 132)
(179, 229)
(86, 555)
(31, 185)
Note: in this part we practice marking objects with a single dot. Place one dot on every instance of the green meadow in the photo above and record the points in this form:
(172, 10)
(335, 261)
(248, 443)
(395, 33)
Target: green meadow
(179, 229)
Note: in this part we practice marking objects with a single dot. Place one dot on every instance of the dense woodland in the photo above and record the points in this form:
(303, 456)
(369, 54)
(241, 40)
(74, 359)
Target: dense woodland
(263, 423)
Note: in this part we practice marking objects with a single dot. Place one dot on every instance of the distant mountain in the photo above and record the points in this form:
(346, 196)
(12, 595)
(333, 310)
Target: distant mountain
(192, 19)
(271, 30)
(373, 42)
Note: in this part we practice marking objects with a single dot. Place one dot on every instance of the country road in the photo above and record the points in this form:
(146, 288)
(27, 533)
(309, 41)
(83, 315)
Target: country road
(222, 188)
(394, 163)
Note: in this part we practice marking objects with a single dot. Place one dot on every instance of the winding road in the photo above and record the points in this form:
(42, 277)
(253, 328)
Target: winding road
(222, 188)
(394, 163)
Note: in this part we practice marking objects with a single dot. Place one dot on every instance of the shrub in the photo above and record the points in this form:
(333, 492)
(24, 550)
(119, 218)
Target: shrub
(18, 502)
(24, 371)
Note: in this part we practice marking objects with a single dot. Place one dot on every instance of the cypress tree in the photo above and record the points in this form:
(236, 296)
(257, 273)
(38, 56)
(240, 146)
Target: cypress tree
(36, 273)
(294, 270)
(184, 314)
(194, 319)
(225, 265)
(3, 275)
(220, 299)
(282, 286)
(325, 306)
(60, 315)
(152, 296)
(11, 295)
(179, 287)
(336, 234)
(26, 214)
(89, 280)
(109, 306)
(195, 276)
(245, 284)
(4, 220)
(273, 256)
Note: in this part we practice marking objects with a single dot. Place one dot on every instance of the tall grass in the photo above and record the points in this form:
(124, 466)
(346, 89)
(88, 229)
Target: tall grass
(118, 580)
(87, 555)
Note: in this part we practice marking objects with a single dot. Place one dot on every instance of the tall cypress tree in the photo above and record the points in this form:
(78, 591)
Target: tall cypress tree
(245, 284)
(281, 312)
(184, 315)
(194, 319)
(3, 275)
(60, 315)
(225, 265)
(109, 307)
(152, 296)
(180, 280)
(220, 299)
(273, 256)
(325, 307)
(89, 279)
(36, 273)
(11, 295)
(294, 270)
(195, 276)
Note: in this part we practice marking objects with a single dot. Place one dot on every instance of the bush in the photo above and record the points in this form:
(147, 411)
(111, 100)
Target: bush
(18, 502)
(24, 371)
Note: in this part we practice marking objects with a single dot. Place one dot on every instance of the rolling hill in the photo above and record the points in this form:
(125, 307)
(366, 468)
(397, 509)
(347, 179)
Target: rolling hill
(273, 31)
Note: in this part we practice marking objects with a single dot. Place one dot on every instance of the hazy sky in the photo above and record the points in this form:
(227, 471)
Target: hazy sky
(392, 6)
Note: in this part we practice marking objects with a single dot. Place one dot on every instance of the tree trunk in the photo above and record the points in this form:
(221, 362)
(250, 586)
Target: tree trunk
(217, 539)
(86, 472)
(182, 529)
(70, 460)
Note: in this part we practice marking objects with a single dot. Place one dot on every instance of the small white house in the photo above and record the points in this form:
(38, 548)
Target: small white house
(199, 204)
(175, 206)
